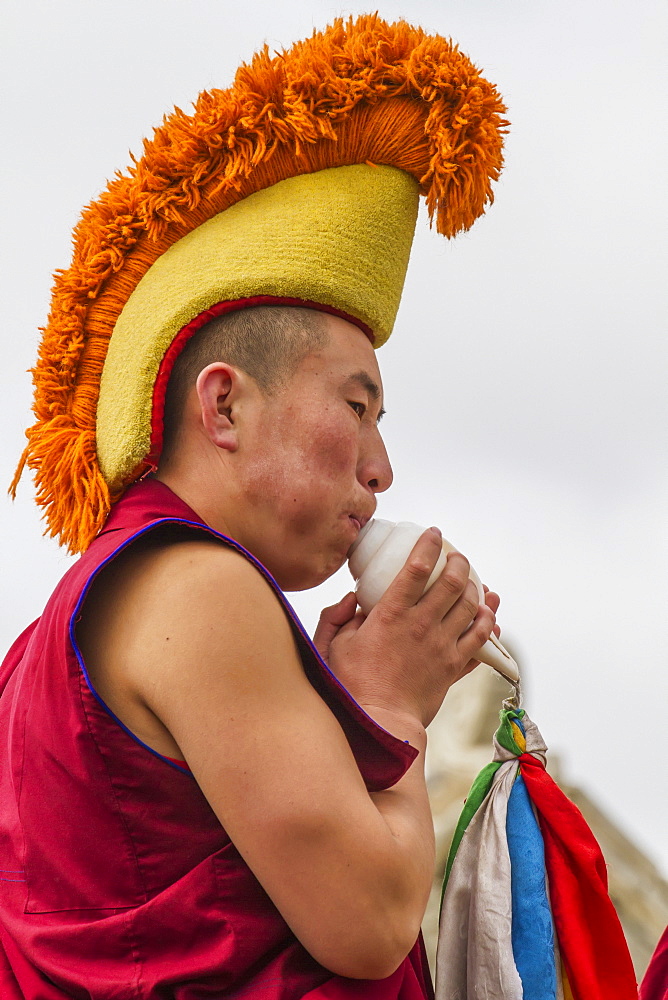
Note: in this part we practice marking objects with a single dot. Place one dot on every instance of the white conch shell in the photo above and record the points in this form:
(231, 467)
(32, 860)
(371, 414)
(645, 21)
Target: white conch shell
(377, 555)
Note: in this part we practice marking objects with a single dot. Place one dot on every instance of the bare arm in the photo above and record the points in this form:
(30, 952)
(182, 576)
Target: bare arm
(349, 872)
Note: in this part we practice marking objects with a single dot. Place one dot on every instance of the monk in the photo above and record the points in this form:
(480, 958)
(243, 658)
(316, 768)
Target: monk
(271, 441)
(196, 799)
(291, 471)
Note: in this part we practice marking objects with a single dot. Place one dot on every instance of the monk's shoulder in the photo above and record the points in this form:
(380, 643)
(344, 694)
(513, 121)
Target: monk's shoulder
(169, 631)
(158, 601)
(159, 567)
(207, 579)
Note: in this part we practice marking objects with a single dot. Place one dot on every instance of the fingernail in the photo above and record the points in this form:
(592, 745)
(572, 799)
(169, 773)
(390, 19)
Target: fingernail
(436, 531)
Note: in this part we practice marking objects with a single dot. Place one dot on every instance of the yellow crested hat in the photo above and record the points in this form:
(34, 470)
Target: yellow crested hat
(297, 185)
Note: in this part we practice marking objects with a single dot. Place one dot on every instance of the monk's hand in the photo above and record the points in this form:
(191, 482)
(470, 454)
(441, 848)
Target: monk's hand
(331, 621)
(412, 647)
(492, 601)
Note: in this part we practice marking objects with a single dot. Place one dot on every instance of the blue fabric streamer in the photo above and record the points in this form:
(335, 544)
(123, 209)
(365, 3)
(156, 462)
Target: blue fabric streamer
(532, 927)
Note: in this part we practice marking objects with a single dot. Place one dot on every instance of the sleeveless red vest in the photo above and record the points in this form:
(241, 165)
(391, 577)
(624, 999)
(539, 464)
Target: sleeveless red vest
(117, 882)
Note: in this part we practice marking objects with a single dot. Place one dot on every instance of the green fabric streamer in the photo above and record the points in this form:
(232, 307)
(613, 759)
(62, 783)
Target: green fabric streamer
(504, 734)
(482, 784)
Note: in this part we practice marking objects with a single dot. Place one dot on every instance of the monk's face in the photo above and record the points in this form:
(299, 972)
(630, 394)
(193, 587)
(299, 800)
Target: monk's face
(316, 461)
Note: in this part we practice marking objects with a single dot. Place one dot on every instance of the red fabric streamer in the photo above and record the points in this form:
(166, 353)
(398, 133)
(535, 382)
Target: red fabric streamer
(655, 982)
(591, 938)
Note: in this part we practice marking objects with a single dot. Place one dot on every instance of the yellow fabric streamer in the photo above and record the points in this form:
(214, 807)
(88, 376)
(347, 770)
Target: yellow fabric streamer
(518, 736)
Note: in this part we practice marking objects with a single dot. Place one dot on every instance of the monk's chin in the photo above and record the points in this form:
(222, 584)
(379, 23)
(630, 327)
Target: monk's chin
(306, 578)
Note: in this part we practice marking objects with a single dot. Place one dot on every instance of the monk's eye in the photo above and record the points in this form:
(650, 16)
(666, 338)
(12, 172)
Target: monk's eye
(359, 408)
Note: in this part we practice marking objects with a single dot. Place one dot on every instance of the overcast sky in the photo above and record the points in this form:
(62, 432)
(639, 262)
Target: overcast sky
(525, 380)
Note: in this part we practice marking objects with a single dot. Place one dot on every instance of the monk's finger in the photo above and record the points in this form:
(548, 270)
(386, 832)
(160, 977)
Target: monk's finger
(408, 586)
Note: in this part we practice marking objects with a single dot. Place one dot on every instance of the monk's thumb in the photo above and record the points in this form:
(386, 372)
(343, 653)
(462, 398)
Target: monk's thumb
(340, 613)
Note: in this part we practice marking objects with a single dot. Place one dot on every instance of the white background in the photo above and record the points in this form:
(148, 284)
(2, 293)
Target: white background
(525, 380)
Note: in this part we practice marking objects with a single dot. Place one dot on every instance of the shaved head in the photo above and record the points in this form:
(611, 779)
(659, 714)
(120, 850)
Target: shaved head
(266, 342)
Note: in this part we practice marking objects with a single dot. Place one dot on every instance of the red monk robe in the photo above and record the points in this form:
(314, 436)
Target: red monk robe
(117, 880)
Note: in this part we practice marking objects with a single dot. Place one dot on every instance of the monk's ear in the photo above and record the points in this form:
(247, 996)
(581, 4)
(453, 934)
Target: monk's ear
(219, 387)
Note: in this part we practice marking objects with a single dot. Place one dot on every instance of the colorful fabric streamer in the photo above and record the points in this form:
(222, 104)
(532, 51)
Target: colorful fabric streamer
(525, 913)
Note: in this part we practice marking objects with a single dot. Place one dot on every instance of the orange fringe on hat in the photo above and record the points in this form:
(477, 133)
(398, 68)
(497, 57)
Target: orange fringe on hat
(361, 91)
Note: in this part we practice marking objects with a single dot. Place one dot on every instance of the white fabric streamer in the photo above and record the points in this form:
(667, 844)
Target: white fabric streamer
(475, 954)
(474, 958)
